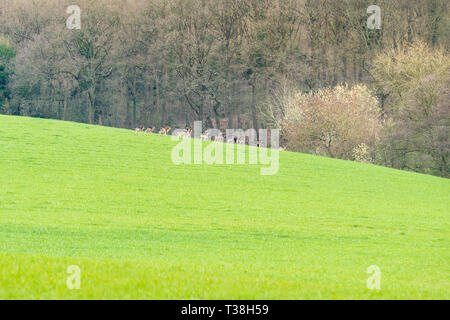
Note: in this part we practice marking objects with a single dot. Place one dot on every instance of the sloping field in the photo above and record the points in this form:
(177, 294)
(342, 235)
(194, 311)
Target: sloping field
(138, 226)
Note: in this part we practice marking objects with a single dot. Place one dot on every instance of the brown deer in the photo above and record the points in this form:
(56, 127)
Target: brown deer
(139, 130)
(186, 133)
(164, 131)
(150, 130)
(189, 132)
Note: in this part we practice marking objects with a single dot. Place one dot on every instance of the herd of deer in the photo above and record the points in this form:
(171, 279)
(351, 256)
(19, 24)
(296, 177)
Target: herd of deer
(188, 133)
(163, 132)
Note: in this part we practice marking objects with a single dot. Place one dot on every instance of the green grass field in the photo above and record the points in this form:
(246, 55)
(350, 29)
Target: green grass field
(112, 203)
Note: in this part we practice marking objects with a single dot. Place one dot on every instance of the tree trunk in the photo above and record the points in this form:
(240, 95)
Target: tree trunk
(163, 102)
(134, 99)
(91, 96)
(254, 114)
(64, 115)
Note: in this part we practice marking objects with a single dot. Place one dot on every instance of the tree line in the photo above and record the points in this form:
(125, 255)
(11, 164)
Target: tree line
(235, 64)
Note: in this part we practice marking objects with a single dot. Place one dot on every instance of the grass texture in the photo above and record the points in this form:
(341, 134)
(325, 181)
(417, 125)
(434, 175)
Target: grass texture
(140, 227)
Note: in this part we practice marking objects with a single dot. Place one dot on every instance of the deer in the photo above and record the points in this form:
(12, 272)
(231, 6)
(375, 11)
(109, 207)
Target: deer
(239, 140)
(230, 140)
(211, 134)
(219, 138)
(139, 130)
(205, 136)
(164, 131)
(187, 133)
(149, 130)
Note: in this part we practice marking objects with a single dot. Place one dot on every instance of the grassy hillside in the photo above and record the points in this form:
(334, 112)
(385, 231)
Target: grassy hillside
(138, 226)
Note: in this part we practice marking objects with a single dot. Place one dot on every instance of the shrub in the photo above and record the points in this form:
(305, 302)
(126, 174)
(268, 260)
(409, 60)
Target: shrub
(6, 55)
(397, 71)
(362, 154)
(333, 122)
(417, 137)
(416, 134)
